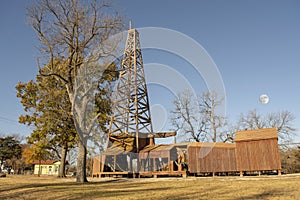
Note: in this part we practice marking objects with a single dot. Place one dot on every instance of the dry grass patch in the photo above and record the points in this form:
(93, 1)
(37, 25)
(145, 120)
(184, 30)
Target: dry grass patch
(47, 187)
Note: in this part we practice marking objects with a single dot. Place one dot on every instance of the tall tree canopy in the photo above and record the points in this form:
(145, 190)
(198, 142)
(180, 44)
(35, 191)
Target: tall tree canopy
(37, 151)
(9, 148)
(48, 111)
(77, 31)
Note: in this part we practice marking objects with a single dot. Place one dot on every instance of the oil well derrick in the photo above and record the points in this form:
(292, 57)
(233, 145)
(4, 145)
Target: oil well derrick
(130, 128)
(131, 105)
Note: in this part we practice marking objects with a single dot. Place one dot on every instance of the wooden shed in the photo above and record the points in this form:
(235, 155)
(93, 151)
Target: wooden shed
(163, 159)
(211, 157)
(257, 150)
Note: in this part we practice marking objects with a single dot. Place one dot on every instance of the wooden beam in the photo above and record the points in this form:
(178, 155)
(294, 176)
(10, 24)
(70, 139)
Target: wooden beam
(154, 135)
(163, 134)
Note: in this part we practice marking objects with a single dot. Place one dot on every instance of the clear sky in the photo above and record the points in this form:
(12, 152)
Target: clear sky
(255, 45)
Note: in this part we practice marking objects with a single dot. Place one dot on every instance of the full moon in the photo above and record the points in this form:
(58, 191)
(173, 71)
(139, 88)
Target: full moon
(264, 99)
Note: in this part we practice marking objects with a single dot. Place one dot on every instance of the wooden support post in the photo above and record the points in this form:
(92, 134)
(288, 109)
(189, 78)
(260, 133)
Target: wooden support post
(115, 164)
(143, 165)
(138, 165)
(259, 173)
(179, 166)
(169, 163)
(150, 165)
(130, 163)
(279, 172)
(102, 163)
(171, 166)
(213, 174)
(151, 142)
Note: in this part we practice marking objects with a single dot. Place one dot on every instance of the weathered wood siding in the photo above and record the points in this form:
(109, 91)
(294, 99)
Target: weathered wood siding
(257, 150)
(211, 157)
(96, 165)
(155, 151)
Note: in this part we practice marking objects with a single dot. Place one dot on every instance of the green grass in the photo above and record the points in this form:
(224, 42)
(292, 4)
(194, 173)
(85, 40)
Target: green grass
(47, 187)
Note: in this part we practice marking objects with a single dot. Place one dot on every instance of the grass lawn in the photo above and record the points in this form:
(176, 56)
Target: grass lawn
(47, 187)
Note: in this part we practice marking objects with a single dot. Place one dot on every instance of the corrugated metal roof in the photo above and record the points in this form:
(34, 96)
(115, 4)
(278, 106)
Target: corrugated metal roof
(259, 134)
(212, 144)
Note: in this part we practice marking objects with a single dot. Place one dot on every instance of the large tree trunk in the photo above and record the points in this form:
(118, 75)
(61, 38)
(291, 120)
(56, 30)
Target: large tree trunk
(62, 168)
(1, 165)
(81, 162)
(39, 173)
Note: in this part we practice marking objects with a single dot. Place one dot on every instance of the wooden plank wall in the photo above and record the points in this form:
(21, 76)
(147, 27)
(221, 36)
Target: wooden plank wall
(96, 165)
(207, 159)
(258, 155)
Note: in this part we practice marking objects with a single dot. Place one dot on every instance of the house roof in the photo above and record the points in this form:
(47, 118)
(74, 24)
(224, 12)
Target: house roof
(45, 162)
(259, 134)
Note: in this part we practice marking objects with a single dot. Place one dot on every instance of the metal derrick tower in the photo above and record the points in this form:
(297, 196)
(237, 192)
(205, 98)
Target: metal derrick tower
(131, 116)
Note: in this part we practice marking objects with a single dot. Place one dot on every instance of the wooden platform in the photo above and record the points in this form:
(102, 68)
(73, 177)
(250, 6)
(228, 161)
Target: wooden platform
(163, 173)
(141, 174)
(116, 174)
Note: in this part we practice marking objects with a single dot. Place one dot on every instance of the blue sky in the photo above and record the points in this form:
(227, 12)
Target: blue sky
(255, 45)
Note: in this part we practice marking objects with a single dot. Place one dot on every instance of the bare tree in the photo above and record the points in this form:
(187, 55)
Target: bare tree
(197, 118)
(187, 119)
(76, 32)
(209, 102)
(282, 121)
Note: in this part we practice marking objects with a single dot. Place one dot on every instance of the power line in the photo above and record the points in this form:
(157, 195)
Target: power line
(9, 120)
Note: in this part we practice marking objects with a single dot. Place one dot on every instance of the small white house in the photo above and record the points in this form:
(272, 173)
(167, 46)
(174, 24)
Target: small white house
(47, 167)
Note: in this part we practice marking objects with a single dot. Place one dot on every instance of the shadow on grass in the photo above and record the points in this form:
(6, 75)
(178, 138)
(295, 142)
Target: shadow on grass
(265, 195)
(128, 189)
(41, 185)
(73, 190)
(215, 193)
(125, 193)
(14, 192)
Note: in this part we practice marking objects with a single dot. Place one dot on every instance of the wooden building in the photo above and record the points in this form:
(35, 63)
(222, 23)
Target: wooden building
(46, 167)
(211, 157)
(163, 159)
(257, 150)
